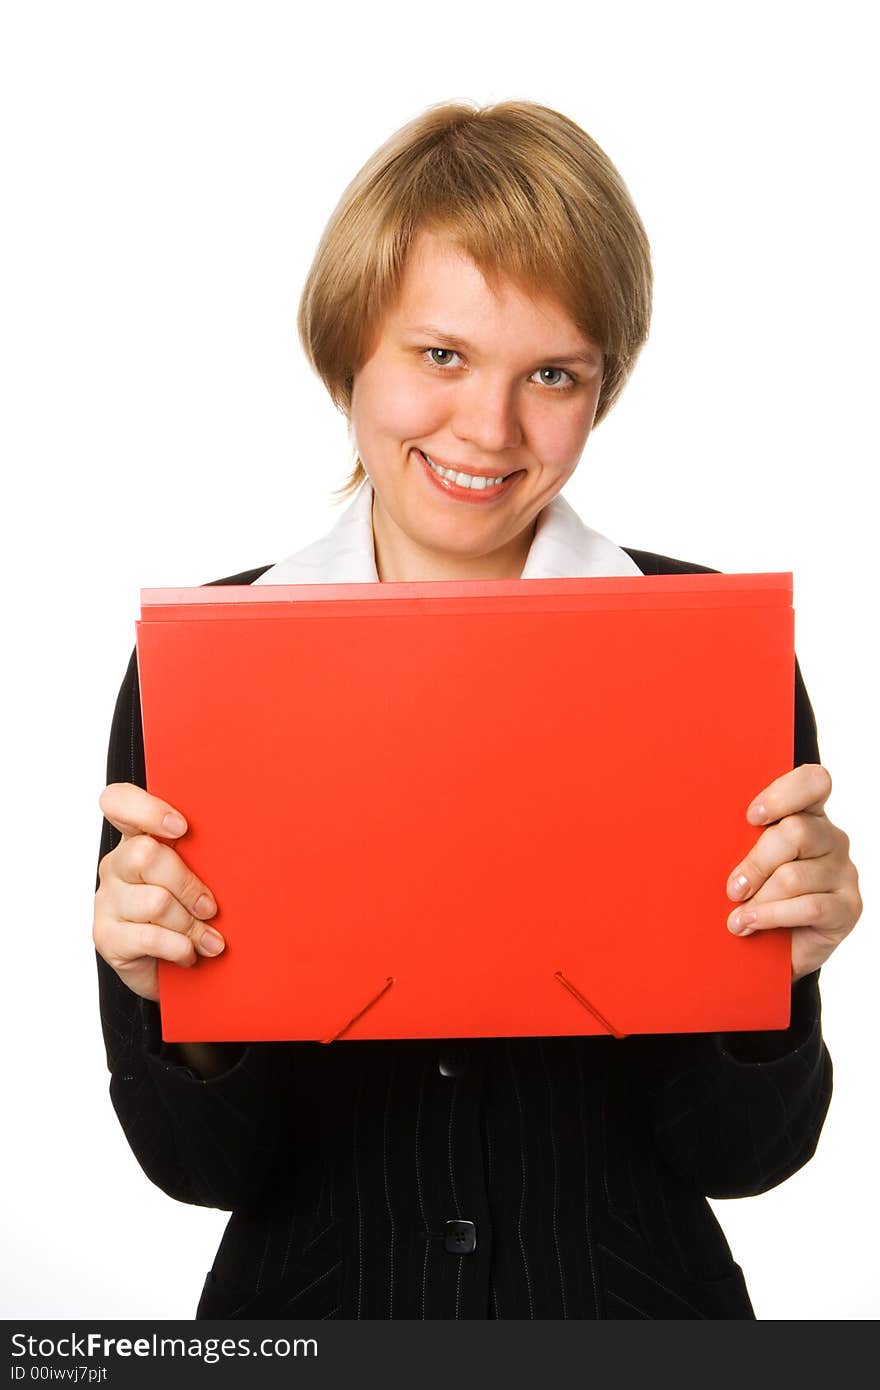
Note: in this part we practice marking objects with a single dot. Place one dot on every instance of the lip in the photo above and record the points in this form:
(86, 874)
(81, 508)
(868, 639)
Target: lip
(459, 468)
(480, 496)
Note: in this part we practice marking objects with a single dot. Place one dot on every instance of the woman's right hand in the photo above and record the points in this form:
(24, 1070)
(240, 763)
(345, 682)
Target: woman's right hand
(149, 905)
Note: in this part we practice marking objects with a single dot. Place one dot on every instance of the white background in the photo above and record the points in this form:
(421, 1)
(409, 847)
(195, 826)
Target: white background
(167, 169)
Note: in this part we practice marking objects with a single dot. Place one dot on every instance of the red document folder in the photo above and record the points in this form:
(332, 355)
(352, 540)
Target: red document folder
(460, 809)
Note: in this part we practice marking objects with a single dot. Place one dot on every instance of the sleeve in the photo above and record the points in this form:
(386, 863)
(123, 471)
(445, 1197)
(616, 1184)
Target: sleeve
(736, 1114)
(208, 1142)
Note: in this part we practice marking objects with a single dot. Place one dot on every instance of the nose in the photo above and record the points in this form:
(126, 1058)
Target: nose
(486, 416)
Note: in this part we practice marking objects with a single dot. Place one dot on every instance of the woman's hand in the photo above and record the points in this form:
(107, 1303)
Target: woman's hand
(799, 873)
(149, 905)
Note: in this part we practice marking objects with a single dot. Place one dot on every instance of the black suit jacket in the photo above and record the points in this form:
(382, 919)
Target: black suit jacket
(583, 1163)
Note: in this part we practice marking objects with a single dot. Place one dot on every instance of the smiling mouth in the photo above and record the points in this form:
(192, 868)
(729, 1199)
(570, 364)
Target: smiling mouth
(466, 479)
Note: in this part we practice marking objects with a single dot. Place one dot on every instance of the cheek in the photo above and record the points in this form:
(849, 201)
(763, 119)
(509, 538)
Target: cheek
(403, 406)
(560, 435)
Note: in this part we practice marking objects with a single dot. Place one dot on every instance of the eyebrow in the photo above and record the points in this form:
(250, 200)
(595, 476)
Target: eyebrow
(591, 356)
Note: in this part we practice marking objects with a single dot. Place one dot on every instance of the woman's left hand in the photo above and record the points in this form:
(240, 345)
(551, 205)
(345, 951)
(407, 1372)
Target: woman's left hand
(799, 873)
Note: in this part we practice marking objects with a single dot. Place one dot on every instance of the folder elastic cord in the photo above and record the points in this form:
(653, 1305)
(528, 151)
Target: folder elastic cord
(345, 1027)
(557, 975)
(609, 1027)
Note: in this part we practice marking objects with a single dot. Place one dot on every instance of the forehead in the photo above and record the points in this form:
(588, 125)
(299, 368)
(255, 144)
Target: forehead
(443, 286)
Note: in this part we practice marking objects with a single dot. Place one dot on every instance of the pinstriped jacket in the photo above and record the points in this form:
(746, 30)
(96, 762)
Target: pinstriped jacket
(557, 1177)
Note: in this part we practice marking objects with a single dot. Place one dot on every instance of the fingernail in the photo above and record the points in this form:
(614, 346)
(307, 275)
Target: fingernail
(741, 920)
(211, 942)
(205, 907)
(739, 887)
(757, 814)
(174, 824)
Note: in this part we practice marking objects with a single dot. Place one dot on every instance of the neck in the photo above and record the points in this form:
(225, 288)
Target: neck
(400, 560)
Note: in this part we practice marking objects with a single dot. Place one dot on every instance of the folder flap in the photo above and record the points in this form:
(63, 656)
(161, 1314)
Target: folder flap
(388, 599)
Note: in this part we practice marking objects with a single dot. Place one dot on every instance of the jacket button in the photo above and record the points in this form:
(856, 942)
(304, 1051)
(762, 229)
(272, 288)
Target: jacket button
(453, 1062)
(461, 1237)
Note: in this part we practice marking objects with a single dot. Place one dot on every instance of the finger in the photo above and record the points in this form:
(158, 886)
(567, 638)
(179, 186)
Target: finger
(145, 860)
(135, 811)
(794, 880)
(824, 912)
(126, 944)
(794, 837)
(151, 902)
(805, 788)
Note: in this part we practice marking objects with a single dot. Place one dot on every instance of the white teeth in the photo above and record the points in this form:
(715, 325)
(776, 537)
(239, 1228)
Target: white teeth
(463, 479)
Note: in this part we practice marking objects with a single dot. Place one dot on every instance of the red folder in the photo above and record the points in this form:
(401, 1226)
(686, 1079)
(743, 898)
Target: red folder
(458, 809)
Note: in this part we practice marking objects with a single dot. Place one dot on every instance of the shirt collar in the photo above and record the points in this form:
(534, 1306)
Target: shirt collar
(562, 547)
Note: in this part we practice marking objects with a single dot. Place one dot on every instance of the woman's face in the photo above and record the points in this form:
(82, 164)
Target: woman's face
(503, 387)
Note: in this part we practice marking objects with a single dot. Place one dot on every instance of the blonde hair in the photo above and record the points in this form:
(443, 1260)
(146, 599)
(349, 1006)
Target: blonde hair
(524, 192)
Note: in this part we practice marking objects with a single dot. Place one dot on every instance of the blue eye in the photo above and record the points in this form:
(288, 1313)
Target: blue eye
(450, 352)
(559, 372)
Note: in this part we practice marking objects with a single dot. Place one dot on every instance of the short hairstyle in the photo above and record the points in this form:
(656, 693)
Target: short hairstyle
(525, 192)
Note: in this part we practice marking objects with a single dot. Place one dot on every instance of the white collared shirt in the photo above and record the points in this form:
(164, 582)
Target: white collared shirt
(562, 547)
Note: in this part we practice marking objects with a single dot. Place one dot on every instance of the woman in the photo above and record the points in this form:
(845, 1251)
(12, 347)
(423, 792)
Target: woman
(475, 306)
